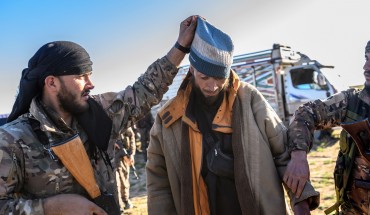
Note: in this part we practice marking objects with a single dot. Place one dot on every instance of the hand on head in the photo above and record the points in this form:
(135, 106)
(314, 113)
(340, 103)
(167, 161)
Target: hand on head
(187, 29)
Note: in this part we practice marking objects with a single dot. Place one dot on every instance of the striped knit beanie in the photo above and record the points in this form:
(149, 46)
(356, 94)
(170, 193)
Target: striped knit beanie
(211, 52)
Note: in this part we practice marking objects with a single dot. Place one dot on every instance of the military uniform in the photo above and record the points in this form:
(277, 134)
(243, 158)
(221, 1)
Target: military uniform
(347, 106)
(29, 172)
(144, 125)
(127, 142)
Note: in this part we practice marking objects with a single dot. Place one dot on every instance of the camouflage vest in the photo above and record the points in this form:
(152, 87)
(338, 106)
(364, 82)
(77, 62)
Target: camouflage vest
(356, 110)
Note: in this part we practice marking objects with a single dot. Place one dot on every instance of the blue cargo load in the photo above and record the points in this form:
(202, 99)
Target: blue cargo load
(3, 118)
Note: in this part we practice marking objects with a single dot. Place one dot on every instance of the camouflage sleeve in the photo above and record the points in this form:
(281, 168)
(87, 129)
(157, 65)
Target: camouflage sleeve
(11, 179)
(131, 104)
(315, 116)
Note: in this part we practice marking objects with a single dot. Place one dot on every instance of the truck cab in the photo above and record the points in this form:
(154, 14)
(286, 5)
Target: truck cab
(305, 83)
(285, 77)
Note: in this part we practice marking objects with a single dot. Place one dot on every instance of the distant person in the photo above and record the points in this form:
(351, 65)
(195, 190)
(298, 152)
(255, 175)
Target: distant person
(137, 137)
(352, 170)
(218, 147)
(144, 125)
(55, 121)
(124, 158)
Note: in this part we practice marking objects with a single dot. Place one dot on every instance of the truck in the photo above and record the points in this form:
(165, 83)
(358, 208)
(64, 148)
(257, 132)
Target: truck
(285, 77)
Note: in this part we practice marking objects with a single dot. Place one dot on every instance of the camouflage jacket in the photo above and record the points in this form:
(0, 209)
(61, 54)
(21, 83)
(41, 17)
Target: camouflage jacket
(320, 115)
(129, 141)
(28, 174)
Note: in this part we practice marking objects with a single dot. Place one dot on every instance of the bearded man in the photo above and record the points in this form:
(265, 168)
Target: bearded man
(352, 169)
(54, 109)
(218, 147)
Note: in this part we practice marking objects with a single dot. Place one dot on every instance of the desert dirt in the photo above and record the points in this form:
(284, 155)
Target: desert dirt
(321, 159)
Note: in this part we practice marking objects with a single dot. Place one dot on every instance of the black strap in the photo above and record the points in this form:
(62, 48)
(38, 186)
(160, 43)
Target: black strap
(182, 48)
(204, 115)
(205, 127)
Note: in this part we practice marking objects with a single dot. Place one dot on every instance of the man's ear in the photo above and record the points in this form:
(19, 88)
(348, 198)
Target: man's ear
(51, 82)
(191, 70)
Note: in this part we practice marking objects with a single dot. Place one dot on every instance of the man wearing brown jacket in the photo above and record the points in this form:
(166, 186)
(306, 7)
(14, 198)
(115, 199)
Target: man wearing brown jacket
(218, 147)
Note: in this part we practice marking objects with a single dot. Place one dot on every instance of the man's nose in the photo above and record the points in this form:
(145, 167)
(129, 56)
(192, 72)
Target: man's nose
(212, 86)
(90, 83)
(367, 65)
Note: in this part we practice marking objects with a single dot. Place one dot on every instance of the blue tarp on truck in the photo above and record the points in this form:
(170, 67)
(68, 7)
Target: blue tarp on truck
(3, 118)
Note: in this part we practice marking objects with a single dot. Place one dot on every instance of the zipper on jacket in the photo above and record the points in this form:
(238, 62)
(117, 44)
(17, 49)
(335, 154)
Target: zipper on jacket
(15, 161)
(14, 157)
(57, 186)
(14, 166)
(16, 170)
(51, 153)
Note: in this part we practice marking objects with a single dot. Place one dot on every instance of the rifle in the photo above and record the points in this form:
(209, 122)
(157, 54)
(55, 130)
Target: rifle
(360, 132)
(125, 154)
(74, 157)
(107, 202)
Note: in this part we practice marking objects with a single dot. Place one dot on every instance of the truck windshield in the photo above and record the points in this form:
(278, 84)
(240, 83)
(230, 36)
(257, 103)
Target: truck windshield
(308, 79)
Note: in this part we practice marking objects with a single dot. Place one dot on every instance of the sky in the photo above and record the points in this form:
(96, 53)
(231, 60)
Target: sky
(124, 37)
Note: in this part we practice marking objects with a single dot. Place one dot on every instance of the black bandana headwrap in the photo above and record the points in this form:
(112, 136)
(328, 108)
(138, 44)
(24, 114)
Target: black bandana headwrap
(57, 59)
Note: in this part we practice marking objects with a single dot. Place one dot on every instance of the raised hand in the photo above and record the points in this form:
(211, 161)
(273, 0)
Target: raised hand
(187, 31)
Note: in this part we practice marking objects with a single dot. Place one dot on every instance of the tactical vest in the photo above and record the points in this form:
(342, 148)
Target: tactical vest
(356, 110)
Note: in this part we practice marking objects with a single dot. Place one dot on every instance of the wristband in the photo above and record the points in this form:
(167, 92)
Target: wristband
(182, 48)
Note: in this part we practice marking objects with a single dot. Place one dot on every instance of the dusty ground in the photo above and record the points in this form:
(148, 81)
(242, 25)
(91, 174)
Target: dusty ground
(322, 163)
(321, 160)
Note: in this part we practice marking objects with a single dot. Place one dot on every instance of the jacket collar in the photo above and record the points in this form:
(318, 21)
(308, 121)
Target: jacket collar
(49, 120)
(176, 108)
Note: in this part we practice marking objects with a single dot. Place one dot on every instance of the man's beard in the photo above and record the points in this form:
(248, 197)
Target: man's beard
(207, 100)
(68, 101)
(367, 85)
(367, 88)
